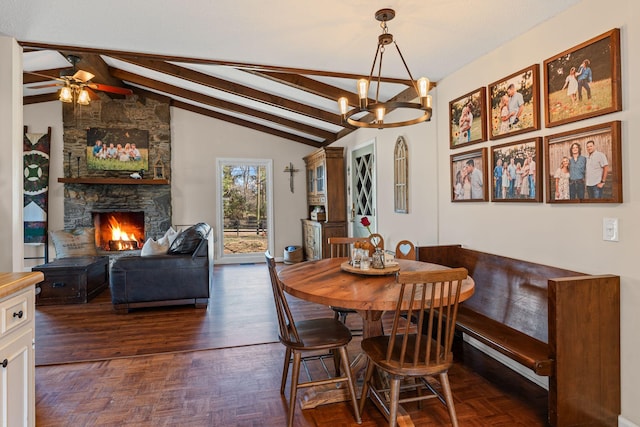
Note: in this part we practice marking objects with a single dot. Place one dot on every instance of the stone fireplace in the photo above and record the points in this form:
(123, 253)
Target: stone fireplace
(100, 191)
(82, 202)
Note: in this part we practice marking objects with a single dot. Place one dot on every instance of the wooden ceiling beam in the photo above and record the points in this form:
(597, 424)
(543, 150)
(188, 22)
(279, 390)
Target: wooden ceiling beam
(237, 64)
(29, 77)
(218, 103)
(234, 88)
(35, 99)
(245, 123)
(309, 85)
(93, 63)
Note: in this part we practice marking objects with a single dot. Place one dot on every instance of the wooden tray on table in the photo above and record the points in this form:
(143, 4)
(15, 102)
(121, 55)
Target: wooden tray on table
(346, 266)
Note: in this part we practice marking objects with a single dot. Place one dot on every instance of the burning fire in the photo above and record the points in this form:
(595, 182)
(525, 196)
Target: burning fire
(117, 233)
(120, 239)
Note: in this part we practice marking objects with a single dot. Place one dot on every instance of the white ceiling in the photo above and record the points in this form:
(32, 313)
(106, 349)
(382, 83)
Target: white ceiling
(436, 37)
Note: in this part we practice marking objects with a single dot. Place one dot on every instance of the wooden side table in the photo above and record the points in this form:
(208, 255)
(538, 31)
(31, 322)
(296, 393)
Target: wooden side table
(72, 280)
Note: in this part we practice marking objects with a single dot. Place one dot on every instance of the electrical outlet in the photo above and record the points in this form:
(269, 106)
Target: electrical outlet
(610, 229)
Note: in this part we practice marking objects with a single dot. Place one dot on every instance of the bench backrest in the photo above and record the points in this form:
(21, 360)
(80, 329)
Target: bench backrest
(508, 290)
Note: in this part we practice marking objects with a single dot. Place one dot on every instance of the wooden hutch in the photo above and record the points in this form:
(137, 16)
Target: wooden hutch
(326, 202)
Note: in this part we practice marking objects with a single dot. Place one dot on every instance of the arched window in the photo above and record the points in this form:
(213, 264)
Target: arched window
(401, 176)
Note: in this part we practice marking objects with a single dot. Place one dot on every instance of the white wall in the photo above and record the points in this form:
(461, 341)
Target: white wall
(568, 236)
(420, 224)
(11, 229)
(197, 141)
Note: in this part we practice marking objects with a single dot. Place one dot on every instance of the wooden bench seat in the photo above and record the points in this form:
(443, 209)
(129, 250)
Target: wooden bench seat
(524, 349)
(561, 324)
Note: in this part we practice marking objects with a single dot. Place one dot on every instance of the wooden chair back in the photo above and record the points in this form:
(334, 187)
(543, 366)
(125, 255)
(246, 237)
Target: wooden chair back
(341, 246)
(286, 325)
(405, 250)
(377, 241)
(430, 350)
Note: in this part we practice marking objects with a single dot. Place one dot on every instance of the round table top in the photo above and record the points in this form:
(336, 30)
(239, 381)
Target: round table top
(324, 282)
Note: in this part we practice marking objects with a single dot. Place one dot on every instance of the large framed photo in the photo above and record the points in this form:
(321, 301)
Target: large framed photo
(514, 104)
(117, 149)
(469, 176)
(585, 165)
(583, 81)
(468, 119)
(517, 171)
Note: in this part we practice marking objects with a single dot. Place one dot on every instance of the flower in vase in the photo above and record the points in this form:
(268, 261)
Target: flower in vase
(366, 223)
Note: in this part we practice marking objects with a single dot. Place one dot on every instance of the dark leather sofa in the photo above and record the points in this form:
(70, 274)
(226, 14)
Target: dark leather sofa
(182, 276)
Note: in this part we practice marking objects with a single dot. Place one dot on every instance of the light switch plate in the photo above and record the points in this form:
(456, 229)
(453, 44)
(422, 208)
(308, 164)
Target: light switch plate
(610, 229)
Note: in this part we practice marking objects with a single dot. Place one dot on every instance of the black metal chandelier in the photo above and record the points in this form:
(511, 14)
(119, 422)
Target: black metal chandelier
(379, 109)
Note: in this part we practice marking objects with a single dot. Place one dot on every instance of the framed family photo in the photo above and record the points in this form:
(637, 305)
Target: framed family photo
(583, 81)
(469, 176)
(117, 149)
(585, 165)
(517, 171)
(468, 119)
(514, 105)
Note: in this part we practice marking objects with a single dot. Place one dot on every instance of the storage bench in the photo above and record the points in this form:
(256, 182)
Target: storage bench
(72, 280)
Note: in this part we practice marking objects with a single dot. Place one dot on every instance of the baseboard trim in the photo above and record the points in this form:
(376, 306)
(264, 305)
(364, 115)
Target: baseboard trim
(623, 422)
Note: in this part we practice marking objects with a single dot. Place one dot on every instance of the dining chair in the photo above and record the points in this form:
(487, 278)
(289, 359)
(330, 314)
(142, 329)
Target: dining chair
(377, 241)
(421, 353)
(305, 337)
(341, 247)
(405, 250)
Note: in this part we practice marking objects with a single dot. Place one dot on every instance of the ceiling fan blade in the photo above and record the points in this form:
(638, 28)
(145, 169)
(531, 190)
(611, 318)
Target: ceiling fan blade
(44, 86)
(92, 95)
(46, 76)
(83, 76)
(111, 89)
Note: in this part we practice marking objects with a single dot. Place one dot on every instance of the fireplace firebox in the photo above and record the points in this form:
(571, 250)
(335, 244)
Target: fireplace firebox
(119, 231)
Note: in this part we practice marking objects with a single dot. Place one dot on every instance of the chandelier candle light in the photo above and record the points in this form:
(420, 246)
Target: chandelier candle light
(378, 108)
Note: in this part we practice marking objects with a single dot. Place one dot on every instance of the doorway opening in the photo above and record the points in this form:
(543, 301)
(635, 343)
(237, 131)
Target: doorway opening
(246, 217)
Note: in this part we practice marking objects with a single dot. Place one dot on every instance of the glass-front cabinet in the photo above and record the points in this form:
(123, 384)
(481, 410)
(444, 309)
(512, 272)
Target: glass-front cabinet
(326, 203)
(320, 179)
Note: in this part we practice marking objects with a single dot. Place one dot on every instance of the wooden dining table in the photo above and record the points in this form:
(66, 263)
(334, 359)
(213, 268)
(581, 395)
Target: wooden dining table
(370, 293)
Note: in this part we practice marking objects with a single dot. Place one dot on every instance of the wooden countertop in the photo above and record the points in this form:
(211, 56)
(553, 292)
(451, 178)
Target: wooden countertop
(13, 282)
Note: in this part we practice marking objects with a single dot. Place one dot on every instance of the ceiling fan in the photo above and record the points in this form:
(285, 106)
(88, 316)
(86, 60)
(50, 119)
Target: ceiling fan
(76, 85)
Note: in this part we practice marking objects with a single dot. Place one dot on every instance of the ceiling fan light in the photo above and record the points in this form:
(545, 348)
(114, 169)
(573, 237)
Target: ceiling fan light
(65, 94)
(83, 97)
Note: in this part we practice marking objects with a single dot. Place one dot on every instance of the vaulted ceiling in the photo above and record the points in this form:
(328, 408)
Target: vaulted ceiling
(277, 68)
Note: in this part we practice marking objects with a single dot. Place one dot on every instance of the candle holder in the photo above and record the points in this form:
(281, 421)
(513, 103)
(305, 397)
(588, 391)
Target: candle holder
(78, 166)
(69, 164)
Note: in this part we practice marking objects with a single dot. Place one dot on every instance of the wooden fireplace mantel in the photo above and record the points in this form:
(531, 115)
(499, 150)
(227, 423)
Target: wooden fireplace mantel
(112, 181)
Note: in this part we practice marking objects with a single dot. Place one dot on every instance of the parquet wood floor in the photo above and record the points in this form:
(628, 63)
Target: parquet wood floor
(239, 385)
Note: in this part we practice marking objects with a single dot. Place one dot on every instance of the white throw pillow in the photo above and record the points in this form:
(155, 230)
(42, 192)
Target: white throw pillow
(168, 237)
(151, 248)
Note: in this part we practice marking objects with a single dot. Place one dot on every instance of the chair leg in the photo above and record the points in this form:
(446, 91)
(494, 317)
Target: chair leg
(336, 361)
(365, 385)
(285, 369)
(352, 389)
(448, 397)
(295, 373)
(394, 395)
